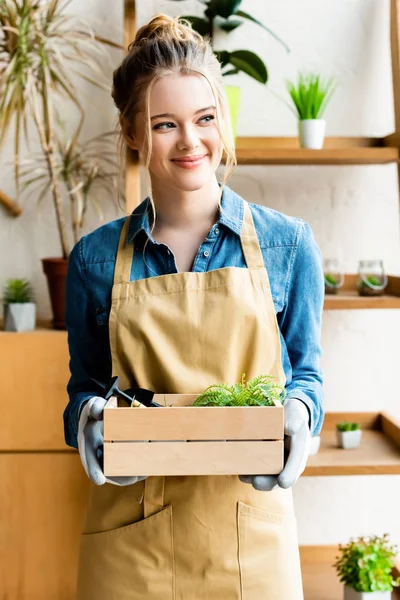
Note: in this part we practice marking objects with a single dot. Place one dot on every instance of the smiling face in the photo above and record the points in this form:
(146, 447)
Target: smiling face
(186, 144)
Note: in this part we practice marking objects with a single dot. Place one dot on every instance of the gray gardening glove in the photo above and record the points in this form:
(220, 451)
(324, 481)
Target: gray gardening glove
(297, 445)
(90, 444)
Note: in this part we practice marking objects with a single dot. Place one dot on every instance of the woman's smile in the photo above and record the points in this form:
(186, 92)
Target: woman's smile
(189, 162)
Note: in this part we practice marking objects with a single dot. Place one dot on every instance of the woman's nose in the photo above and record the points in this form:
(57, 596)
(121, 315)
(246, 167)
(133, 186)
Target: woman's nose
(188, 139)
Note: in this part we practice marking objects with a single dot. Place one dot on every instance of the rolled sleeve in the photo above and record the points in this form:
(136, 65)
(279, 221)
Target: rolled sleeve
(300, 325)
(89, 355)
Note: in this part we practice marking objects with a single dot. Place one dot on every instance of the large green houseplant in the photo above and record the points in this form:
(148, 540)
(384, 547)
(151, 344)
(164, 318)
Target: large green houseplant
(227, 16)
(41, 49)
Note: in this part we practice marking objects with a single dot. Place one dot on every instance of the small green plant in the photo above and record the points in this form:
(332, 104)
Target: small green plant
(310, 95)
(17, 291)
(366, 564)
(331, 279)
(347, 426)
(260, 391)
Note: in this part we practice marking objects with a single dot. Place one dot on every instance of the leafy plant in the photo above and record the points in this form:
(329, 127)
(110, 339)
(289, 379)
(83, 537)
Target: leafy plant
(347, 426)
(41, 47)
(310, 95)
(366, 564)
(331, 279)
(260, 391)
(227, 16)
(17, 291)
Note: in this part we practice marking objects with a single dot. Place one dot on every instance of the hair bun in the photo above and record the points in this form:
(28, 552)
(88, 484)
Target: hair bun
(166, 27)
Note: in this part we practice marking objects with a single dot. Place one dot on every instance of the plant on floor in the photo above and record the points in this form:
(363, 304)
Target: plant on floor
(366, 564)
(310, 95)
(17, 291)
(347, 426)
(227, 16)
(260, 391)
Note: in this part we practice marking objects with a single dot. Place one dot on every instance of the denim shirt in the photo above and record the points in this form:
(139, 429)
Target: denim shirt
(291, 257)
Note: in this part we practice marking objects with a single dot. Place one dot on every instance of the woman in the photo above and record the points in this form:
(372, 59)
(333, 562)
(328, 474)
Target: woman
(196, 287)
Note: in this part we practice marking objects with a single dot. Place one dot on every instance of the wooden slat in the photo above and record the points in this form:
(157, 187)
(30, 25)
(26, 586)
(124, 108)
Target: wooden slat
(263, 154)
(192, 458)
(366, 420)
(194, 423)
(262, 143)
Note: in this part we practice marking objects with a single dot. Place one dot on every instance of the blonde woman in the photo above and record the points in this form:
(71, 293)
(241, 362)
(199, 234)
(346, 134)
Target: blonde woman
(196, 286)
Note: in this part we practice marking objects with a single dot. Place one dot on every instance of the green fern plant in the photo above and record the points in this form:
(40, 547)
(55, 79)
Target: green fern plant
(17, 291)
(260, 391)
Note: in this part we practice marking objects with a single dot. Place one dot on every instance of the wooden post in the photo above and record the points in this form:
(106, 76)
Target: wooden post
(132, 175)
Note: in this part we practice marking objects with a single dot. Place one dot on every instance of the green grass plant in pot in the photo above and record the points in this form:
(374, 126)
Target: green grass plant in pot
(41, 48)
(227, 16)
(365, 567)
(348, 435)
(371, 278)
(310, 96)
(19, 306)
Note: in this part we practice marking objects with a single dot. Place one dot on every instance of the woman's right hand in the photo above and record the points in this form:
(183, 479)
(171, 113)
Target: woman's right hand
(91, 441)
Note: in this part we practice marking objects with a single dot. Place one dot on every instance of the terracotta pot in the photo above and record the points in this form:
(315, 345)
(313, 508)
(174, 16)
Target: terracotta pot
(56, 272)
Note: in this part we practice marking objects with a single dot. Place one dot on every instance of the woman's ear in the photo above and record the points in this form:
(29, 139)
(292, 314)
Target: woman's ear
(126, 128)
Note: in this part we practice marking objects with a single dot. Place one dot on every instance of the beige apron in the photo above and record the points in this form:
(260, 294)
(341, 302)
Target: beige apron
(195, 537)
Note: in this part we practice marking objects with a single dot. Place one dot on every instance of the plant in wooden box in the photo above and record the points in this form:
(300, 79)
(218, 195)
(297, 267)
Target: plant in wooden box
(348, 435)
(227, 16)
(242, 431)
(310, 96)
(371, 278)
(365, 567)
(19, 306)
(40, 47)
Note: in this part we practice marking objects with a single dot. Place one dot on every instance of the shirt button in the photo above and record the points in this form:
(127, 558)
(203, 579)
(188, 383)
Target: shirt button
(206, 253)
(216, 231)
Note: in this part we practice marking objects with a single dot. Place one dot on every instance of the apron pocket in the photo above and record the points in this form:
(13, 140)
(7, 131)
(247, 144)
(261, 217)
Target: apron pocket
(269, 559)
(129, 563)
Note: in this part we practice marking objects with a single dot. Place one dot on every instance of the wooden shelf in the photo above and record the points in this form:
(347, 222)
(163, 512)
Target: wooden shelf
(348, 297)
(320, 581)
(378, 453)
(336, 151)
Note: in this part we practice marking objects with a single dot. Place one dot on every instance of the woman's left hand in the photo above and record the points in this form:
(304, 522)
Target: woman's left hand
(297, 445)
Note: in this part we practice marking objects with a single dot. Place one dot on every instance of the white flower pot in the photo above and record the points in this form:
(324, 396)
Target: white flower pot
(348, 439)
(350, 594)
(314, 445)
(312, 133)
(20, 316)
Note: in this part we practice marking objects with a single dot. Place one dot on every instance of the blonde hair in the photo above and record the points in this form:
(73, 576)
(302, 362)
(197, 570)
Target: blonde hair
(169, 45)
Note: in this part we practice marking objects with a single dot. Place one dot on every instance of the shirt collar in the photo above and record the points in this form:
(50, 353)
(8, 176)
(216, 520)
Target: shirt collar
(231, 215)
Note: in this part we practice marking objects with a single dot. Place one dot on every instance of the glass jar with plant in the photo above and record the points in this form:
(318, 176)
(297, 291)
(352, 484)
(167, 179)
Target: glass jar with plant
(227, 16)
(333, 277)
(310, 96)
(41, 46)
(348, 434)
(371, 278)
(365, 567)
(19, 306)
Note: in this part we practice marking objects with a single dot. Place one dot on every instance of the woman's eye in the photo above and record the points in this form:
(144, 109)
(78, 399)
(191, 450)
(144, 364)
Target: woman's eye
(163, 125)
(208, 117)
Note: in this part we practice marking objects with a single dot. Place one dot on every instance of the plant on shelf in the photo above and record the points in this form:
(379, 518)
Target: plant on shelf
(260, 391)
(19, 306)
(365, 567)
(227, 16)
(348, 435)
(41, 46)
(310, 96)
(371, 278)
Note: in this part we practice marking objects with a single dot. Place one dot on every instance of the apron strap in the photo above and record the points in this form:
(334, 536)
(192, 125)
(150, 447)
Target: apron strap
(153, 495)
(250, 245)
(123, 263)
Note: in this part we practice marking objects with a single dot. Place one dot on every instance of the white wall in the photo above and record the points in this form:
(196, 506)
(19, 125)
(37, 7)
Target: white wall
(353, 212)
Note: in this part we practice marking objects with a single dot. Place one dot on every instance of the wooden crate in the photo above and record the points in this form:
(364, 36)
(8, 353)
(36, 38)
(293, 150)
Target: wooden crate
(180, 439)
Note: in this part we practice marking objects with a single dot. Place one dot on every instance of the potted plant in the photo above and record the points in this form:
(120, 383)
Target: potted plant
(40, 47)
(365, 567)
(259, 391)
(371, 278)
(348, 435)
(19, 306)
(227, 16)
(310, 96)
